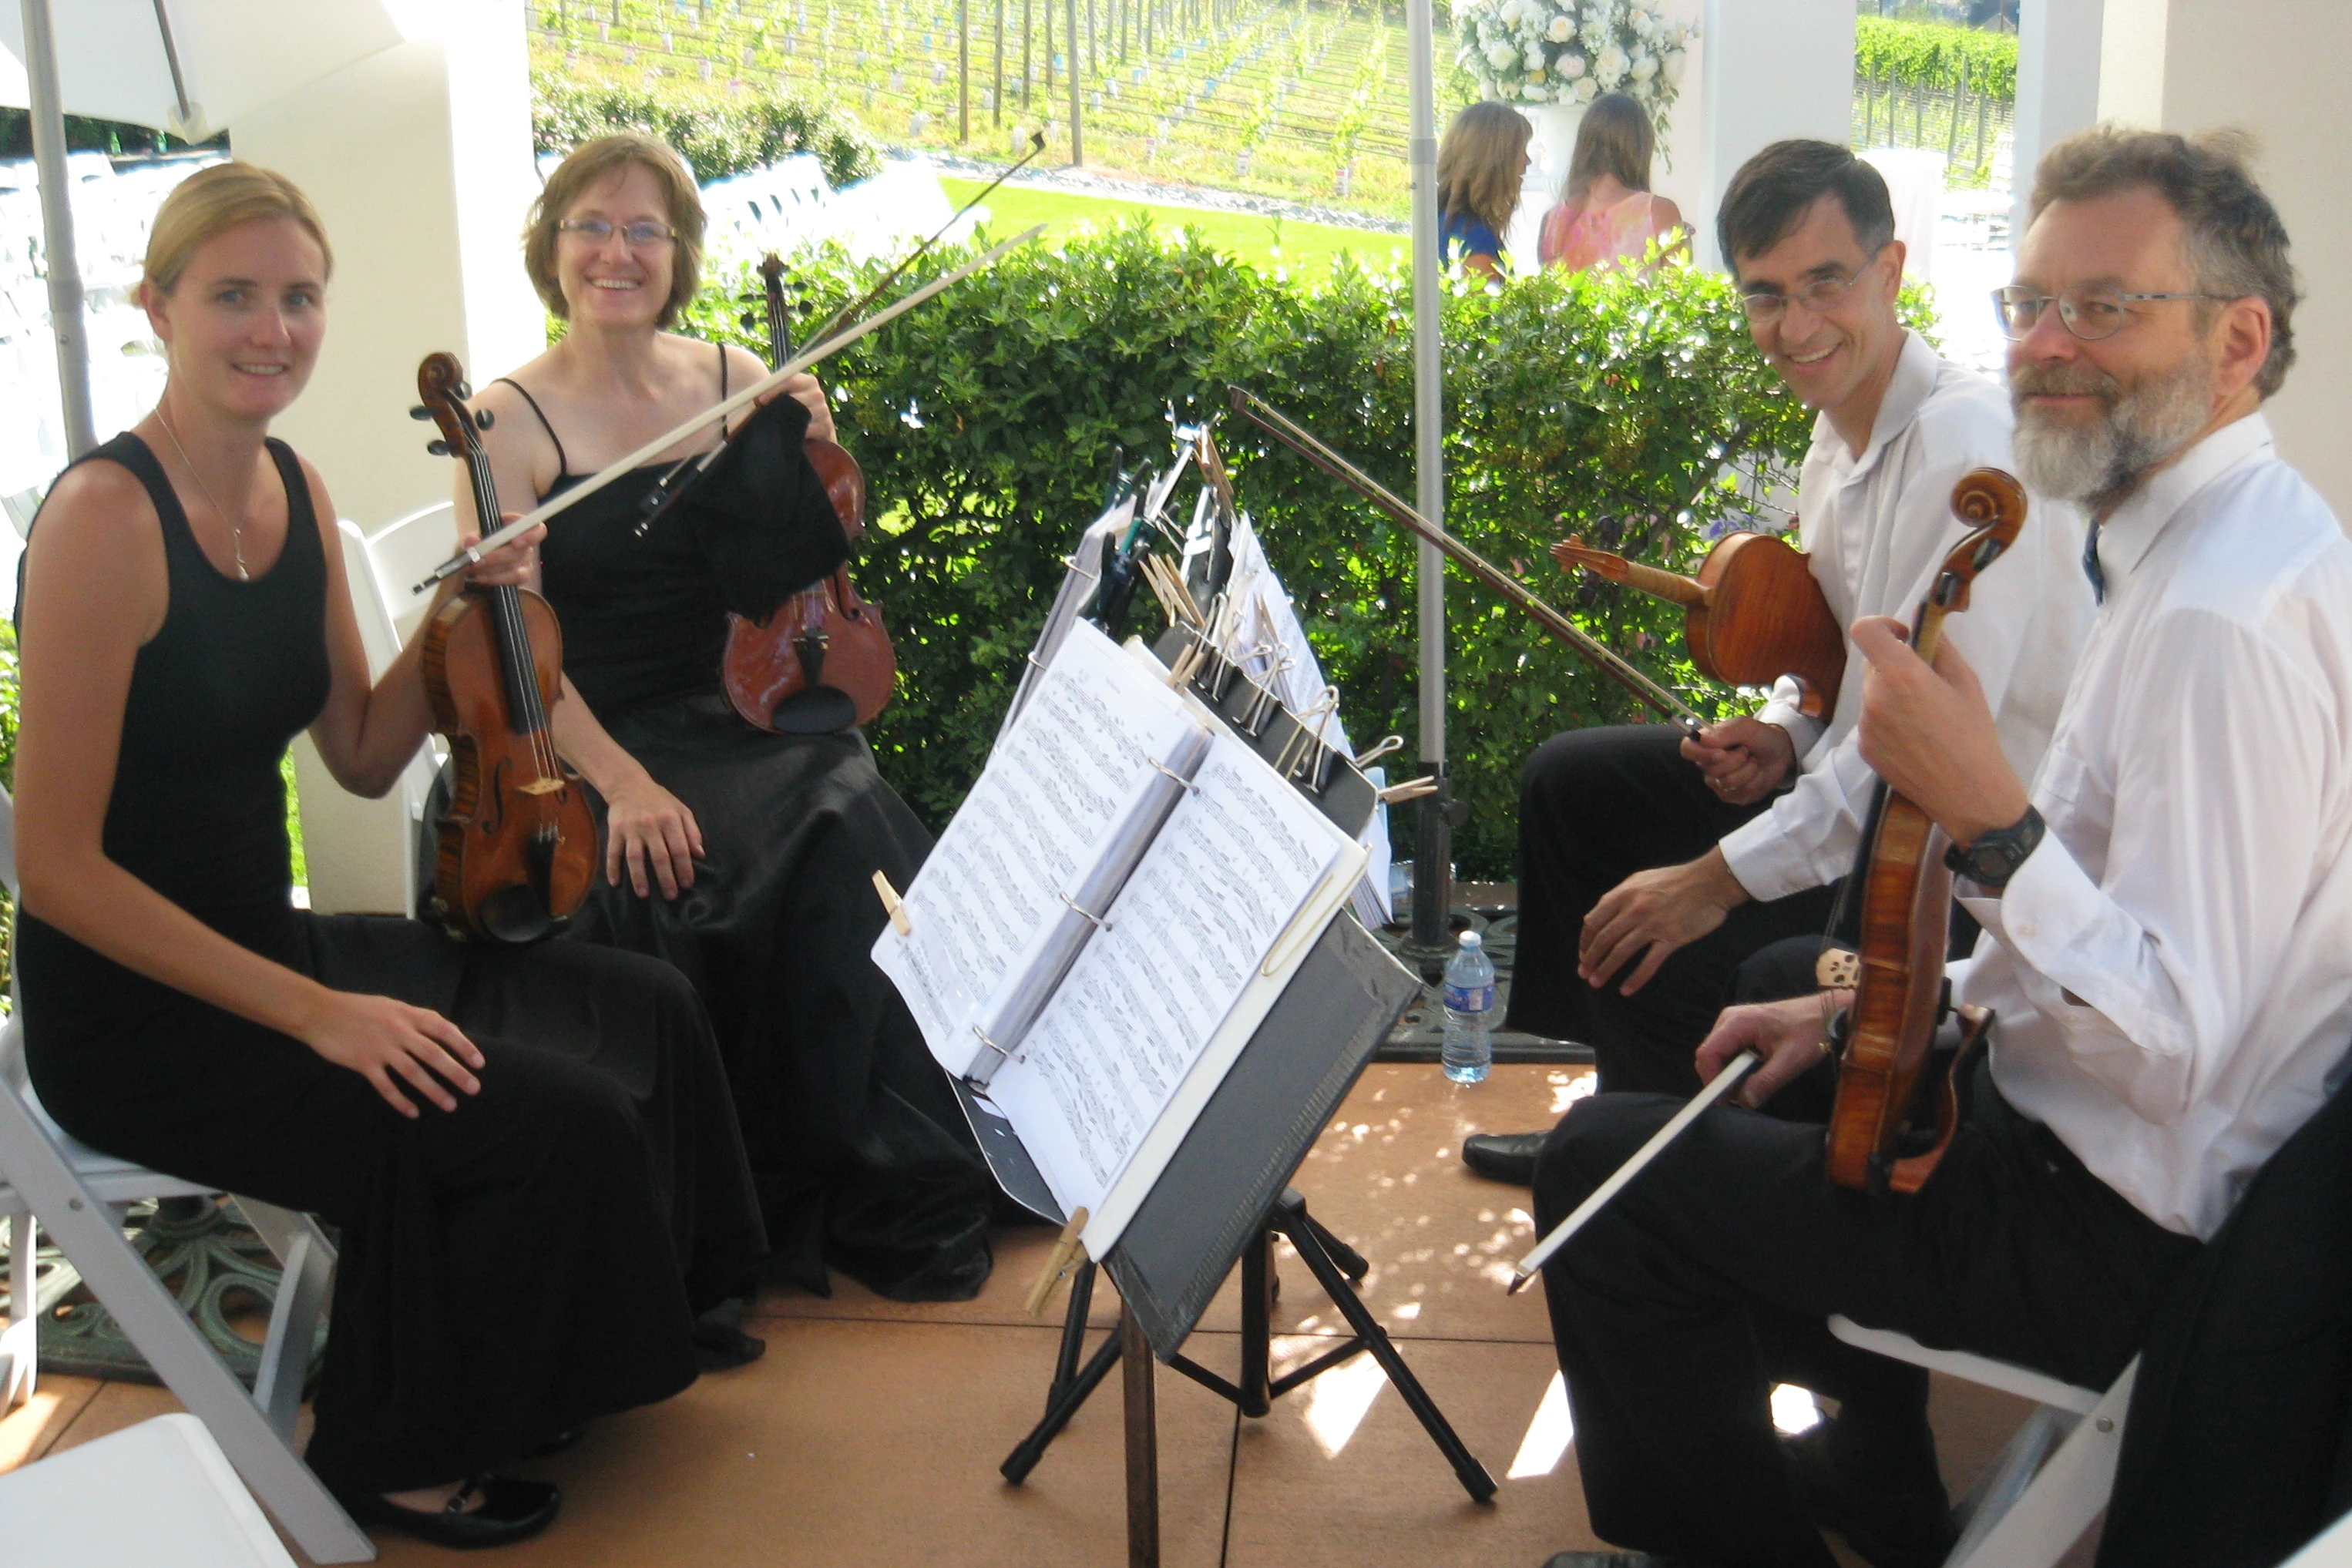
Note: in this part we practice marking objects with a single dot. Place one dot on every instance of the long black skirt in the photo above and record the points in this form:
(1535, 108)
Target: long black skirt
(507, 1270)
(863, 1159)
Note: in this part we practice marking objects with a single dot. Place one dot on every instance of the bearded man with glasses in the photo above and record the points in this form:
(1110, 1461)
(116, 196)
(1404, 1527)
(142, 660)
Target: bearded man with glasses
(2166, 948)
(1662, 863)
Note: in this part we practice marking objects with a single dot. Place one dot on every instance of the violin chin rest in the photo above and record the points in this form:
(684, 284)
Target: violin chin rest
(817, 710)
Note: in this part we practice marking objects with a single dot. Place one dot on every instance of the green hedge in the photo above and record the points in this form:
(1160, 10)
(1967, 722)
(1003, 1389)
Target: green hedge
(1930, 53)
(719, 134)
(988, 421)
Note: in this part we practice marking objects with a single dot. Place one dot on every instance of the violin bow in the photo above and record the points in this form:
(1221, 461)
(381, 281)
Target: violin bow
(713, 414)
(1037, 146)
(1274, 422)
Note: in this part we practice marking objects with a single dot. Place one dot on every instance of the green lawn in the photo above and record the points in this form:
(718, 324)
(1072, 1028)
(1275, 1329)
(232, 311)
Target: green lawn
(1304, 250)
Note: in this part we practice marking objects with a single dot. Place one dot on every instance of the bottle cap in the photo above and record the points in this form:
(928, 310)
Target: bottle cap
(1471, 940)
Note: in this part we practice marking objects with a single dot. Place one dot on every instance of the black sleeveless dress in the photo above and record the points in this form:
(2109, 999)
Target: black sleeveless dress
(863, 1158)
(508, 1269)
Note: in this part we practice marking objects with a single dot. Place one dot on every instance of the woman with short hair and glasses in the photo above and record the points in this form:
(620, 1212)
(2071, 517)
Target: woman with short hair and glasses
(744, 857)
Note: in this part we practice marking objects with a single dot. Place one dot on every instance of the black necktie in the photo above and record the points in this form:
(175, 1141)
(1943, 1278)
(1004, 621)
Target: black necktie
(2091, 567)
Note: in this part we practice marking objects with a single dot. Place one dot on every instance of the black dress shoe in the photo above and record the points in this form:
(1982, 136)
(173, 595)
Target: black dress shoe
(1888, 1528)
(1504, 1156)
(511, 1510)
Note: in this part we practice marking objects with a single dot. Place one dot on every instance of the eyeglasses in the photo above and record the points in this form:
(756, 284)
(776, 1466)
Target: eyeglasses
(643, 235)
(1819, 297)
(2089, 314)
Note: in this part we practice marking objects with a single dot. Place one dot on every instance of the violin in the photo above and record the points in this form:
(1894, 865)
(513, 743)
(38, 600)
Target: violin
(518, 847)
(1754, 615)
(1892, 1120)
(821, 660)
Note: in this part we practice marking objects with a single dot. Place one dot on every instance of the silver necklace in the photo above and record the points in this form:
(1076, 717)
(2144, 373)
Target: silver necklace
(237, 526)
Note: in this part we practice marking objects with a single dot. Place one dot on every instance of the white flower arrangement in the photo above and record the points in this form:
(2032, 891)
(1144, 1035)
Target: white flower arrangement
(1571, 51)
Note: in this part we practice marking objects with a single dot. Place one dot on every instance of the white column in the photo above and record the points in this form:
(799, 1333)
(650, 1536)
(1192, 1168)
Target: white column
(1773, 69)
(2276, 67)
(419, 161)
(2058, 72)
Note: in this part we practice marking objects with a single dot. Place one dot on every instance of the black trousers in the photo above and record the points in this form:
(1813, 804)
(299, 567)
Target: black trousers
(1710, 1277)
(1596, 806)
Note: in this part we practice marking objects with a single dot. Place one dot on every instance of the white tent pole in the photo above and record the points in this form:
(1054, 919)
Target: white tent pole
(57, 221)
(1433, 896)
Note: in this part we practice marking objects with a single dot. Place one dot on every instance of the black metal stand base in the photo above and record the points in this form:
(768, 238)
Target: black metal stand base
(1337, 1268)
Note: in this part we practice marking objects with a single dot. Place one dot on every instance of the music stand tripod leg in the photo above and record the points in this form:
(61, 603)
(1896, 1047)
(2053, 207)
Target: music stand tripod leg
(1143, 1443)
(1064, 1404)
(1073, 1330)
(1255, 1391)
(1291, 1218)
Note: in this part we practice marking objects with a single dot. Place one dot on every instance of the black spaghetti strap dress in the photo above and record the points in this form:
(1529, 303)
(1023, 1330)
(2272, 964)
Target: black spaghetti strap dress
(863, 1158)
(507, 1270)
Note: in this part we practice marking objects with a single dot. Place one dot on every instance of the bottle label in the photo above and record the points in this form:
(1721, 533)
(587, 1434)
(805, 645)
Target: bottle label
(1471, 999)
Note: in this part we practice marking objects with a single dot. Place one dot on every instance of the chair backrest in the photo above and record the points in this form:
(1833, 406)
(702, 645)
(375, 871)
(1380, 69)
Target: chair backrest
(397, 558)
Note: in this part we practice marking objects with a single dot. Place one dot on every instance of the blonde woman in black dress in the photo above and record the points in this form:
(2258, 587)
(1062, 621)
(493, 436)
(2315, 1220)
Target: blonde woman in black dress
(530, 1212)
(743, 857)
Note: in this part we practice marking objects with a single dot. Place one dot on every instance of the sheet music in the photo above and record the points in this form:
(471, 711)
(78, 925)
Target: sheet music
(1062, 787)
(1220, 887)
(1082, 576)
(1270, 646)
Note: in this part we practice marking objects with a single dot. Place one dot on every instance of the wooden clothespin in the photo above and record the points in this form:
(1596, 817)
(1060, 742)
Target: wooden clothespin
(1411, 789)
(893, 906)
(1155, 576)
(1064, 1257)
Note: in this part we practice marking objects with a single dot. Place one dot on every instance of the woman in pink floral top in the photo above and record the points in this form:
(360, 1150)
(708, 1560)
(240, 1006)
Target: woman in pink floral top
(1606, 212)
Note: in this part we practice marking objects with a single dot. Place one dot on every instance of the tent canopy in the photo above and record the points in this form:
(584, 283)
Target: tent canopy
(233, 57)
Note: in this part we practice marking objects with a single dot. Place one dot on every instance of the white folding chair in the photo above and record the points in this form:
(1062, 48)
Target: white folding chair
(2023, 1512)
(67, 1510)
(2331, 1549)
(49, 1182)
(361, 852)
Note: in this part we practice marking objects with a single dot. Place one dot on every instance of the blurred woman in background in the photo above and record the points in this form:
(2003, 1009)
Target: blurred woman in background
(1479, 166)
(1606, 212)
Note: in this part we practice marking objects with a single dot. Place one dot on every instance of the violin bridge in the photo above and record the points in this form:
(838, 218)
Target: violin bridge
(543, 787)
(1837, 969)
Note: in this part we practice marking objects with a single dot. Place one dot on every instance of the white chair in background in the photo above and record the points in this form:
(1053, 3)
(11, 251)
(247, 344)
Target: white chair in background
(160, 1494)
(361, 854)
(49, 1182)
(2023, 1512)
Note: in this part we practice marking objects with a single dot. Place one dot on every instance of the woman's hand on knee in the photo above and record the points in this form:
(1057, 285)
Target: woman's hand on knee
(391, 1045)
(1790, 1036)
(651, 832)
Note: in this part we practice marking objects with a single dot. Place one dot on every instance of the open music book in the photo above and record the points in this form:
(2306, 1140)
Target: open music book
(1110, 916)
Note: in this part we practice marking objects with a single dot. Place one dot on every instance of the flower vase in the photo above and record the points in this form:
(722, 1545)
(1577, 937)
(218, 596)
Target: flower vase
(1555, 139)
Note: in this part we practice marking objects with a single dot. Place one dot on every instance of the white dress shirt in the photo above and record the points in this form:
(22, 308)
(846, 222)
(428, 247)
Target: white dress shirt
(1877, 528)
(2172, 968)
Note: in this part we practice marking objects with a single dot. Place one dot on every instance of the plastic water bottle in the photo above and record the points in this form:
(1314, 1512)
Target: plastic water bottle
(1469, 1012)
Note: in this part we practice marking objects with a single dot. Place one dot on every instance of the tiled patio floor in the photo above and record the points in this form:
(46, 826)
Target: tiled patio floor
(871, 1432)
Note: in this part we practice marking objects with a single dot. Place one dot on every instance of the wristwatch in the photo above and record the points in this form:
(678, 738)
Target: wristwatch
(1995, 856)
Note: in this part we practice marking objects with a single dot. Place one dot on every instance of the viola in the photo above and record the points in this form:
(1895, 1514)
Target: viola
(1754, 613)
(518, 847)
(821, 660)
(1893, 1120)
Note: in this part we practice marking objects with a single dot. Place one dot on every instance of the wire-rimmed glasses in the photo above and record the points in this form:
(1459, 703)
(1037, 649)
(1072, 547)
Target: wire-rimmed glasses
(2090, 313)
(643, 235)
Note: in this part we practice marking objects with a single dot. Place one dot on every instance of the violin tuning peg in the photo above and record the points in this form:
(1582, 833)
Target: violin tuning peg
(420, 412)
(483, 418)
(464, 389)
(437, 447)
(744, 320)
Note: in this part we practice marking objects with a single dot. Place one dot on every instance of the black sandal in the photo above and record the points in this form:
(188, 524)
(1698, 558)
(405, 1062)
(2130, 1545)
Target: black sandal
(512, 1509)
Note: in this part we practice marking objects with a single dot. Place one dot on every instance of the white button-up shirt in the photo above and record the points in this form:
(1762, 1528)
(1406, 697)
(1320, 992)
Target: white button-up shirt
(2172, 968)
(1877, 528)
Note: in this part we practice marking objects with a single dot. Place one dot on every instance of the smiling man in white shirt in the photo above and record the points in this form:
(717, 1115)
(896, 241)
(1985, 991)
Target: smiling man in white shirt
(2167, 944)
(1661, 865)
